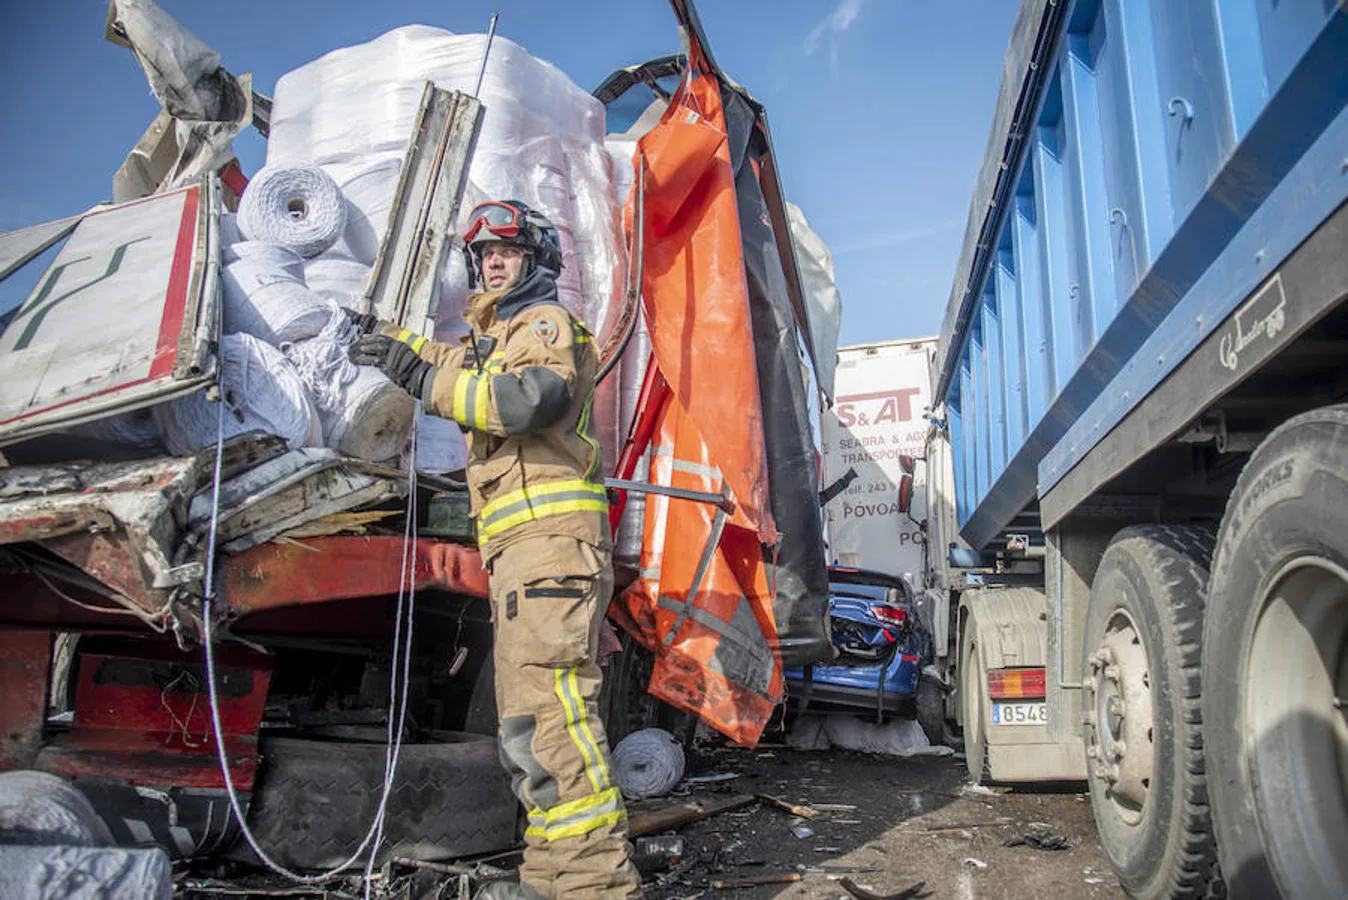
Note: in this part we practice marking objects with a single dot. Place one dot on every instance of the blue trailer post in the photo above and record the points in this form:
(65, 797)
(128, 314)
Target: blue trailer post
(1143, 362)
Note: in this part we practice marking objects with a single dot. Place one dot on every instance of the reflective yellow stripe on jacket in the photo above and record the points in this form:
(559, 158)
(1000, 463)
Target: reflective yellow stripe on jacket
(470, 400)
(538, 502)
(412, 339)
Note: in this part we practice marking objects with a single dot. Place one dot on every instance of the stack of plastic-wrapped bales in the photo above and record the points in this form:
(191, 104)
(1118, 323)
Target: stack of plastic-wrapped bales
(310, 224)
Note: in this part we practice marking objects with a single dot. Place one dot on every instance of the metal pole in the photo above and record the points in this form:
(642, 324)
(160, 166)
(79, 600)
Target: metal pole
(720, 501)
(481, 73)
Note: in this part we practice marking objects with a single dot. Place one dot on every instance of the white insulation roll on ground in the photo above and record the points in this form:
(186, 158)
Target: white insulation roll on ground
(265, 295)
(294, 204)
(262, 392)
(648, 763)
(363, 414)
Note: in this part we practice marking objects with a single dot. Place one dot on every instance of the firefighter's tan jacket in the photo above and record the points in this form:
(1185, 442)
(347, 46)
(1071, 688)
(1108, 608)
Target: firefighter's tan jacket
(523, 393)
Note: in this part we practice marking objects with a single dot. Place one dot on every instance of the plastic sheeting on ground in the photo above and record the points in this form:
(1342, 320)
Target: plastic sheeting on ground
(897, 737)
(262, 392)
(294, 204)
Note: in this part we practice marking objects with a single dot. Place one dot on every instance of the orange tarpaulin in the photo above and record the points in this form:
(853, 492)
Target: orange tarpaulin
(694, 294)
(703, 602)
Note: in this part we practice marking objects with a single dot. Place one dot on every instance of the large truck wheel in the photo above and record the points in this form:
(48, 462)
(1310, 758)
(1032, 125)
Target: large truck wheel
(1275, 656)
(973, 682)
(1143, 734)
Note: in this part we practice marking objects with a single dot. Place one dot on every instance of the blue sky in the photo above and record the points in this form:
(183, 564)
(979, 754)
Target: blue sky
(879, 109)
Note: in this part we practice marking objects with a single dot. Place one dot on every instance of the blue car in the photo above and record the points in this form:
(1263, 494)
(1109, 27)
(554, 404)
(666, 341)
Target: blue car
(882, 647)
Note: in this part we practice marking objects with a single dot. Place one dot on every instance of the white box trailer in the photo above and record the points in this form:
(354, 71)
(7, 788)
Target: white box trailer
(877, 420)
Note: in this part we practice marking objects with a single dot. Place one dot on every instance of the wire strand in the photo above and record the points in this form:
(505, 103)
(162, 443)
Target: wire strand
(395, 744)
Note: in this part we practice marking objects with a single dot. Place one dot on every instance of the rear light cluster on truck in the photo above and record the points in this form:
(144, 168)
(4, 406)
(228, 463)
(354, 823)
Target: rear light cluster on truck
(1016, 684)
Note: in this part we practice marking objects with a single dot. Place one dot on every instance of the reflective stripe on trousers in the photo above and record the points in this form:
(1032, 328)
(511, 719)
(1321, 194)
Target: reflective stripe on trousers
(537, 502)
(577, 817)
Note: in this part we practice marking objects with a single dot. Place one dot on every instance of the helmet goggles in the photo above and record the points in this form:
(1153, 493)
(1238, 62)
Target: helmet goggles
(500, 219)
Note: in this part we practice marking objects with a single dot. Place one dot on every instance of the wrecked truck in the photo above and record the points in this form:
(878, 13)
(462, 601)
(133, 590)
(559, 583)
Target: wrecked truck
(252, 631)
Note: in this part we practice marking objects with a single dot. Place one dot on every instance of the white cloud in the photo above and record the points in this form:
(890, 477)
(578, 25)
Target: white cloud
(883, 240)
(831, 28)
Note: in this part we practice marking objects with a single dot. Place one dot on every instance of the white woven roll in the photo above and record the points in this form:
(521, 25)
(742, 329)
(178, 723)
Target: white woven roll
(265, 295)
(363, 414)
(295, 204)
(262, 392)
(648, 763)
(336, 278)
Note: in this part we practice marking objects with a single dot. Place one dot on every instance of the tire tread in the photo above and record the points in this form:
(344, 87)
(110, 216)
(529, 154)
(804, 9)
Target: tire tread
(1180, 555)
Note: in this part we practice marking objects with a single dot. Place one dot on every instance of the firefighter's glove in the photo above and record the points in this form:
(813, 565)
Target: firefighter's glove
(395, 359)
(366, 323)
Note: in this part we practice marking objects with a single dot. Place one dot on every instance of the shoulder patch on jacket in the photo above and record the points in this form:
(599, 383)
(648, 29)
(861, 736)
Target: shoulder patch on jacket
(545, 331)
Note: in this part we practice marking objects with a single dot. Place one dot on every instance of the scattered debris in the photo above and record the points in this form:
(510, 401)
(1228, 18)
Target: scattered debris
(964, 826)
(804, 812)
(915, 892)
(720, 884)
(976, 863)
(643, 821)
(834, 807)
(712, 778)
(656, 854)
(981, 790)
(1039, 841)
(827, 869)
(803, 831)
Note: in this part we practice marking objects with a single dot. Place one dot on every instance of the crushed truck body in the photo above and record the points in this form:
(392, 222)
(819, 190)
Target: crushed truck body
(170, 484)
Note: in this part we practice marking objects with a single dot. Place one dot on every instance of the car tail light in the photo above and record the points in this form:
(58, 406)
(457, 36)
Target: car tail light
(890, 615)
(1009, 684)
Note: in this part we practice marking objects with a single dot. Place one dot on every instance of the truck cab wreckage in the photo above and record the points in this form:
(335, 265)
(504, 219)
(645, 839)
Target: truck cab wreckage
(342, 599)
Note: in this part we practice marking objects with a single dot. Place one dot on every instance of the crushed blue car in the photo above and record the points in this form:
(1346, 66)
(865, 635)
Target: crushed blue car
(882, 647)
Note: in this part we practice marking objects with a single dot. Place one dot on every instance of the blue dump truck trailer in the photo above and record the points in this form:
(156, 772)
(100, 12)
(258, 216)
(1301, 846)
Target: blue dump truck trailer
(1138, 459)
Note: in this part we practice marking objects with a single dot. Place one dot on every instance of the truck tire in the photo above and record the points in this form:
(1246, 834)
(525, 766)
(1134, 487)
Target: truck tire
(930, 705)
(1140, 701)
(315, 800)
(1275, 657)
(973, 682)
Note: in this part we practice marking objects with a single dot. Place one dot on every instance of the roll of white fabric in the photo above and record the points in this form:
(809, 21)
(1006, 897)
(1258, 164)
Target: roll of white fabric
(648, 763)
(262, 392)
(265, 295)
(336, 278)
(295, 204)
(363, 414)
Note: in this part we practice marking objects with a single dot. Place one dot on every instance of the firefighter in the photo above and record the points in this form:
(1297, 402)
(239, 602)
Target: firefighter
(521, 386)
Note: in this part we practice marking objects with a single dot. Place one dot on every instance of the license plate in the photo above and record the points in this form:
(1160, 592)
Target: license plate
(1020, 713)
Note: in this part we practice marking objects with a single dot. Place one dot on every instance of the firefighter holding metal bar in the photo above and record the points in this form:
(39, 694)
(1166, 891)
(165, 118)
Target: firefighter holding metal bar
(522, 387)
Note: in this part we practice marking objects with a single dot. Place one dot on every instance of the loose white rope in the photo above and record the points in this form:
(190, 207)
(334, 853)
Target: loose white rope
(405, 599)
(406, 581)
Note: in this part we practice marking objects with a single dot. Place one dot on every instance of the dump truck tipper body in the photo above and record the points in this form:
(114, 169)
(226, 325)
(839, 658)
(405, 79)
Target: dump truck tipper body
(1134, 397)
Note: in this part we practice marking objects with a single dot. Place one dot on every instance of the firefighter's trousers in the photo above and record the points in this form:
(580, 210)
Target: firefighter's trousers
(549, 596)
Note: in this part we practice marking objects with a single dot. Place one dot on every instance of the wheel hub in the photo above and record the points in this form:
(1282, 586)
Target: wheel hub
(1118, 717)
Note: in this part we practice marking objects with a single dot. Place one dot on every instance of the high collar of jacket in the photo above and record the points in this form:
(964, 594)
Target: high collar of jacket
(539, 286)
